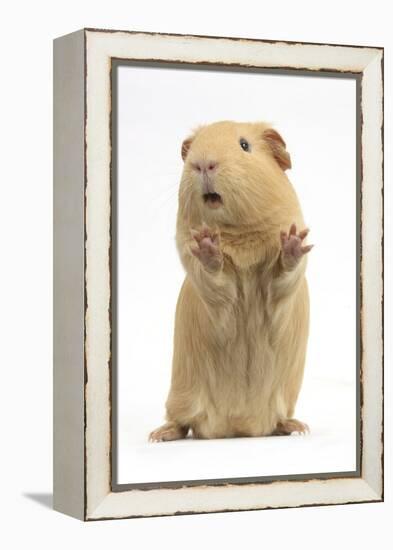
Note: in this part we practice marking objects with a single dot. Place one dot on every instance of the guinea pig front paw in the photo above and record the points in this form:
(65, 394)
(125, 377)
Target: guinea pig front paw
(208, 249)
(292, 249)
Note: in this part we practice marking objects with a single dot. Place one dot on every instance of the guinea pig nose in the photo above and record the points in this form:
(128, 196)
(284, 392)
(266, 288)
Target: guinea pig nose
(205, 166)
(212, 165)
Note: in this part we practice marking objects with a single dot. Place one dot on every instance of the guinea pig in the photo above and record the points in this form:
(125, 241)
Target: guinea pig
(242, 316)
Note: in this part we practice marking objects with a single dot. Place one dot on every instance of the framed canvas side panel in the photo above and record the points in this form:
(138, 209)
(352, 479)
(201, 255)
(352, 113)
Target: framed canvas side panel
(68, 210)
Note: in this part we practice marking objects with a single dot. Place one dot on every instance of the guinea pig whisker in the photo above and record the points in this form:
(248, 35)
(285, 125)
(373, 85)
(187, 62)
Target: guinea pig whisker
(185, 191)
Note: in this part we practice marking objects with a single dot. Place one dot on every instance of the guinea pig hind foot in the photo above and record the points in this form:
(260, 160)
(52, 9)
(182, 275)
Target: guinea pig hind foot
(289, 426)
(170, 431)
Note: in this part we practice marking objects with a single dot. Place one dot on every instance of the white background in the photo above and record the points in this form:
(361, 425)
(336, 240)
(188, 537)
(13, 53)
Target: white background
(157, 108)
(26, 122)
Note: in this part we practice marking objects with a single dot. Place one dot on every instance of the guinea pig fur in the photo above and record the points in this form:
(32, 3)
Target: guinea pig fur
(242, 315)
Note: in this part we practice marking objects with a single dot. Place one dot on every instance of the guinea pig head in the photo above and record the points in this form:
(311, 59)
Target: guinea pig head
(234, 174)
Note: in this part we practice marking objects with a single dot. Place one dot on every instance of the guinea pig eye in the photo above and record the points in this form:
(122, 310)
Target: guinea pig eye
(244, 144)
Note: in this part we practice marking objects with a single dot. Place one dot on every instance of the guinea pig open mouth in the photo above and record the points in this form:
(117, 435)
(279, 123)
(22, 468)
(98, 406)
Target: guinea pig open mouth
(214, 200)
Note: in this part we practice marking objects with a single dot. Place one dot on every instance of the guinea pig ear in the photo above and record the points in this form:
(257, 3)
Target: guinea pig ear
(185, 147)
(278, 148)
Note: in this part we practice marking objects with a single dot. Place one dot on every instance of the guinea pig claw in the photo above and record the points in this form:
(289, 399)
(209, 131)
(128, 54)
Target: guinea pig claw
(306, 429)
(206, 232)
(195, 235)
(195, 252)
(307, 248)
(292, 229)
(303, 234)
(201, 234)
(215, 236)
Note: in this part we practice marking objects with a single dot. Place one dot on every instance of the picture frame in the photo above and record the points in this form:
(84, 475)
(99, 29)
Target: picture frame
(85, 259)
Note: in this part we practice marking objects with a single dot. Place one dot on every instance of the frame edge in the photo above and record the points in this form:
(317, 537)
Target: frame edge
(370, 493)
(68, 271)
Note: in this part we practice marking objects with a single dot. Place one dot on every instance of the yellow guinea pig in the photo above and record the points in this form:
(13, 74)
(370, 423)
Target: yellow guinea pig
(243, 311)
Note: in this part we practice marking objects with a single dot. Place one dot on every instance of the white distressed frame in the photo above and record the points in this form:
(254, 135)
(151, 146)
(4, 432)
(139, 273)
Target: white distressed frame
(82, 478)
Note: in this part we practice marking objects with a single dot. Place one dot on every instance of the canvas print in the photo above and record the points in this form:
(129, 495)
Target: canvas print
(218, 274)
(236, 348)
